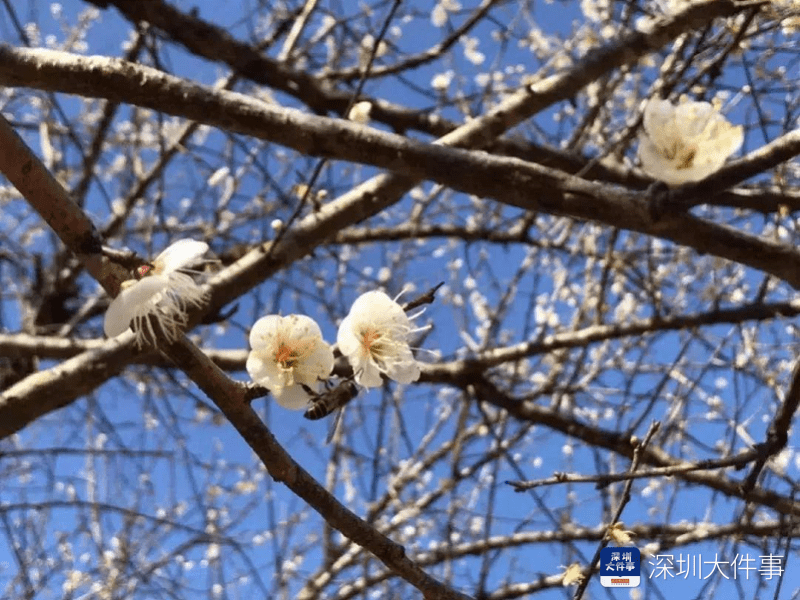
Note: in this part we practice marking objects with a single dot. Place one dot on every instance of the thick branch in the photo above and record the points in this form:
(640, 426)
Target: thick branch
(526, 185)
(27, 173)
(214, 43)
(230, 397)
(36, 396)
(59, 386)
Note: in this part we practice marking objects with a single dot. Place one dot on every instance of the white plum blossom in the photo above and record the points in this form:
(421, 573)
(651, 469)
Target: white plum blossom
(471, 52)
(360, 112)
(161, 294)
(439, 12)
(686, 142)
(374, 338)
(442, 81)
(289, 355)
(788, 13)
(670, 7)
(596, 10)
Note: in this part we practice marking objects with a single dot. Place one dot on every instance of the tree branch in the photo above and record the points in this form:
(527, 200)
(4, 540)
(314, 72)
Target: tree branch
(27, 173)
(526, 185)
(230, 397)
(621, 444)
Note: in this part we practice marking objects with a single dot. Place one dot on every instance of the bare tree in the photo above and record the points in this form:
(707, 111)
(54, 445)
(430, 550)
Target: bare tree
(608, 360)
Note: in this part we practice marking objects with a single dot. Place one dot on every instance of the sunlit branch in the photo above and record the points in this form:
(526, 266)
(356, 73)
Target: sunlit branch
(27, 173)
(525, 185)
(229, 396)
(621, 444)
(604, 479)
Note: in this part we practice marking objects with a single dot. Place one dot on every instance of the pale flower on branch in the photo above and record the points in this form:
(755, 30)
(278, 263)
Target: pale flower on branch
(159, 297)
(596, 10)
(442, 81)
(374, 338)
(289, 357)
(670, 7)
(573, 575)
(471, 52)
(360, 112)
(617, 534)
(788, 13)
(687, 142)
(439, 14)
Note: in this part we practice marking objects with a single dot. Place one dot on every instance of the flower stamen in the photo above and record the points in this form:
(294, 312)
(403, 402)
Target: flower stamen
(142, 271)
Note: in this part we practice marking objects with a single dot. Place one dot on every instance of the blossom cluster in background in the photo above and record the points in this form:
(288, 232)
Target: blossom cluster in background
(360, 112)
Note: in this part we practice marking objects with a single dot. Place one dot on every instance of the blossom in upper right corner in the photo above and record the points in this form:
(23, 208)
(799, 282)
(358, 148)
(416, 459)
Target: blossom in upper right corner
(686, 142)
(374, 338)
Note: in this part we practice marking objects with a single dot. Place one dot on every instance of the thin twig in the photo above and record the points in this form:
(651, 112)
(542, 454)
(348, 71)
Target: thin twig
(427, 298)
(626, 496)
(778, 432)
(736, 461)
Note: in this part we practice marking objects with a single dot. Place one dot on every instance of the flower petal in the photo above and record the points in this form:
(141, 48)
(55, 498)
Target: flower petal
(654, 162)
(367, 374)
(264, 372)
(302, 326)
(404, 371)
(318, 365)
(346, 337)
(180, 254)
(130, 299)
(293, 397)
(687, 142)
(659, 118)
(264, 331)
